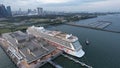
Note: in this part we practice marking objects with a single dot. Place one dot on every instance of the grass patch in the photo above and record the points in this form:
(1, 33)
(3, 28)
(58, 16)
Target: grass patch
(4, 30)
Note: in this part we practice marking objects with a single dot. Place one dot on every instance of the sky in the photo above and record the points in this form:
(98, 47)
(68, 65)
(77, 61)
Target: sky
(65, 5)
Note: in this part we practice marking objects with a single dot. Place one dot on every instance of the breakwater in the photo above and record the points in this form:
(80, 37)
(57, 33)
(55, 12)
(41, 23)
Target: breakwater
(72, 24)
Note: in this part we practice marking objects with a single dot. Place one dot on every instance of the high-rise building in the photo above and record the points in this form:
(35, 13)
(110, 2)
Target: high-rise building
(29, 11)
(3, 11)
(9, 11)
(40, 11)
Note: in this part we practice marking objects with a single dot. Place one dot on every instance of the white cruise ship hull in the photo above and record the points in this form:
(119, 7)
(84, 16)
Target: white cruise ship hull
(79, 53)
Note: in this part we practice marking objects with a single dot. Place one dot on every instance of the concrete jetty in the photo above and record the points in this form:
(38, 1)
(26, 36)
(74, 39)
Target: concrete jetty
(54, 64)
(93, 27)
(77, 61)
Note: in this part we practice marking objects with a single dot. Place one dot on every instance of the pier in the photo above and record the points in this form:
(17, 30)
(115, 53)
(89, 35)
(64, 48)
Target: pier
(99, 24)
(77, 61)
(54, 64)
(101, 28)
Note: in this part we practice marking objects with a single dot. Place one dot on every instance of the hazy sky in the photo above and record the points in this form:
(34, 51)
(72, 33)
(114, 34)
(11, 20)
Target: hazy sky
(65, 5)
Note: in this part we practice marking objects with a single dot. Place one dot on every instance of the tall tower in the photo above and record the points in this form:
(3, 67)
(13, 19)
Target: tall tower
(3, 11)
(29, 11)
(9, 11)
(40, 11)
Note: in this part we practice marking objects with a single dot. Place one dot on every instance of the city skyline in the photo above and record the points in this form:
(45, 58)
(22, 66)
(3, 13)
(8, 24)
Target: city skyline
(66, 5)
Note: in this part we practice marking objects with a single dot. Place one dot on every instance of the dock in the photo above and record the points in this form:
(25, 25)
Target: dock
(77, 61)
(101, 28)
(99, 24)
(54, 64)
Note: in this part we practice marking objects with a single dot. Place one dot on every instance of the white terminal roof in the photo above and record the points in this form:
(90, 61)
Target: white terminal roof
(30, 47)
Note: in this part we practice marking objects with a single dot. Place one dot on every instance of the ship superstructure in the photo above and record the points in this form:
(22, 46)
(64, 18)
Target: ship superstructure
(63, 41)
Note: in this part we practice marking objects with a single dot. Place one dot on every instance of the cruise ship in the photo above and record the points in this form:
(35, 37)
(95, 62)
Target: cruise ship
(63, 41)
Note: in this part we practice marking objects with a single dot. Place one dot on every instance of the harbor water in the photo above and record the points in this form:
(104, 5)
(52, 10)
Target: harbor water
(103, 51)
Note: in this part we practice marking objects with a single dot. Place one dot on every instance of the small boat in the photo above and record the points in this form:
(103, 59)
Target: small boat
(87, 42)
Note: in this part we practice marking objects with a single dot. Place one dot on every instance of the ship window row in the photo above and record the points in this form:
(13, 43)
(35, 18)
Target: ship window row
(77, 45)
(62, 42)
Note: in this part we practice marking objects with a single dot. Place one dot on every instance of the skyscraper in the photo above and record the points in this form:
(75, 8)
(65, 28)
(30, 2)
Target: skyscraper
(9, 11)
(3, 11)
(29, 11)
(40, 11)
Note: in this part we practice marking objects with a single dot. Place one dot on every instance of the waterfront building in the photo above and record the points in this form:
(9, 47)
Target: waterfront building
(27, 51)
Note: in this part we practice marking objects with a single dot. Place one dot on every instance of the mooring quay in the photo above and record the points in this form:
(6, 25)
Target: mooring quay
(95, 26)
